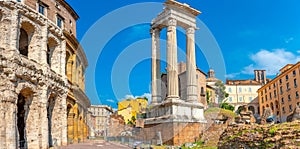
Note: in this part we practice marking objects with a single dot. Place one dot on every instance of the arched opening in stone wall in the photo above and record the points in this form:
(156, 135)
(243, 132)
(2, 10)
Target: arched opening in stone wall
(70, 124)
(23, 42)
(68, 66)
(51, 46)
(26, 33)
(251, 108)
(23, 104)
(50, 107)
(1, 15)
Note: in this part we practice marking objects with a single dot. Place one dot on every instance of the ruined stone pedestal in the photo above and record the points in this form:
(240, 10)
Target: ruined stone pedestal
(177, 121)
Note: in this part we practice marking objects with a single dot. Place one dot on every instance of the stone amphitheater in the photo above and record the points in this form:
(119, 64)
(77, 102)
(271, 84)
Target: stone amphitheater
(42, 98)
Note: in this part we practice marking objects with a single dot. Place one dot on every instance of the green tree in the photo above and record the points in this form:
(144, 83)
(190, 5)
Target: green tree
(227, 106)
(207, 96)
(220, 91)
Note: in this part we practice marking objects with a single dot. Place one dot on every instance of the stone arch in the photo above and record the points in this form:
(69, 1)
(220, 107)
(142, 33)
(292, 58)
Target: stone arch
(1, 15)
(251, 108)
(52, 48)
(50, 108)
(23, 108)
(69, 64)
(25, 37)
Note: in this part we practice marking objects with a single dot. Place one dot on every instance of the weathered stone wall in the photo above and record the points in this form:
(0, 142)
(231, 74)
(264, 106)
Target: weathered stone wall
(32, 92)
(173, 133)
(285, 135)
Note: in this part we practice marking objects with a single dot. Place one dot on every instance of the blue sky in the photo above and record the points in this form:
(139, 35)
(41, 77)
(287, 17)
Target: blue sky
(247, 34)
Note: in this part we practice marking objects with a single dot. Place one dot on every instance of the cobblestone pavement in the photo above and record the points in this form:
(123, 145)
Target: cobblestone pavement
(96, 144)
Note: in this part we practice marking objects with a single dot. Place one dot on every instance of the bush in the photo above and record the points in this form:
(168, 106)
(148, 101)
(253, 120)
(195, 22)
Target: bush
(227, 106)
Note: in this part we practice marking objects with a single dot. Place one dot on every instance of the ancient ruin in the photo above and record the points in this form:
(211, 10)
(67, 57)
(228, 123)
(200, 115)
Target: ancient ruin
(179, 118)
(34, 83)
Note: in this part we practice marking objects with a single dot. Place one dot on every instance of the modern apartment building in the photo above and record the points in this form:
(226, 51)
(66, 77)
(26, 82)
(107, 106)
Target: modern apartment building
(282, 93)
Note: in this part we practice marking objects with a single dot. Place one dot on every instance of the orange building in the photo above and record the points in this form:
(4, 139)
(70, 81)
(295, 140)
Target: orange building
(282, 93)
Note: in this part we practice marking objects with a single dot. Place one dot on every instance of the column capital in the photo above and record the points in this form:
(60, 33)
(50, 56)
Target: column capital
(172, 22)
(190, 30)
(155, 31)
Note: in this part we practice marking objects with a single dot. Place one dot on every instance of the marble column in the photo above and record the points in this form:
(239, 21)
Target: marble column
(172, 73)
(156, 83)
(191, 65)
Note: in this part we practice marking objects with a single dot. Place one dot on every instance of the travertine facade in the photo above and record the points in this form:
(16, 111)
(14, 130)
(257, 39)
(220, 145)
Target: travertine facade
(33, 82)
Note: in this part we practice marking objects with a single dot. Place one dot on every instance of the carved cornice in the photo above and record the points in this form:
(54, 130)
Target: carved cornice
(19, 67)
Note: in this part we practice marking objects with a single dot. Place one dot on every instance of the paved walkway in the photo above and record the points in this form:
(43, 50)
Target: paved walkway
(96, 144)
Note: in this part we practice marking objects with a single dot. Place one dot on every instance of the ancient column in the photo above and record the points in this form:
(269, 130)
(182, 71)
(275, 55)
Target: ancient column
(156, 83)
(191, 65)
(172, 75)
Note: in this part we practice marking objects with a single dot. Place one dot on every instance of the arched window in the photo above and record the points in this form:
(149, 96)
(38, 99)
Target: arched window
(23, 42)
(51, 46)
(26, 35)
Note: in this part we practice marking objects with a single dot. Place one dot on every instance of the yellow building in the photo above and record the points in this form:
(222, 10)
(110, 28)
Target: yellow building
(282, 93)
(131, 107)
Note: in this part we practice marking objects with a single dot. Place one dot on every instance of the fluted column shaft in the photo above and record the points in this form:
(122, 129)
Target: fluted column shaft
(156, 83)
(191, 65)
(172, 60)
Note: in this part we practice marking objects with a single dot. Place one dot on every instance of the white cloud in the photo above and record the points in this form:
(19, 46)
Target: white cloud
(271, 61)
(289, 40)
(147, 95)
(232, 75)
(298, 51)
(110, 100)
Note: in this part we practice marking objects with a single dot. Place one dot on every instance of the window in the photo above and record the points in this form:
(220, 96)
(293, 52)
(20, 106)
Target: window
(291, 108)
(240, 89)
(282, 100)
(297, 94)
(295, 83)
(274, 85)
(265, 90)
(283, 110)
(59, 21)
(262, 99)
(250, 99)
(270, 95)
(230, 99)
(266, 97)
(289, 97)
(281, 90)
(280, 81)
(229, 90)
(275, 94)
(294, 72)
(287, 77)
(41, 9)
(240, 99)
(287, 86)
(250, 89)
